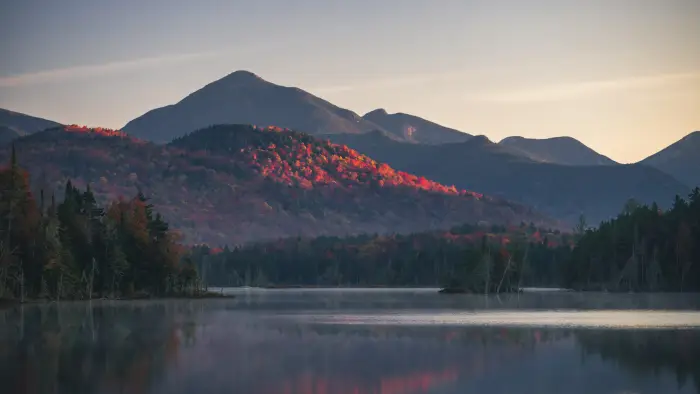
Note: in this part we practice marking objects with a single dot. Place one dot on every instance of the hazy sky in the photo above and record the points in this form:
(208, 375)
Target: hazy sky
(623, 76)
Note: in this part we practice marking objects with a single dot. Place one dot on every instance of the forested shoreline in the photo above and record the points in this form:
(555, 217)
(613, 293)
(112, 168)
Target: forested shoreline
(642, 249)
(76, 249)
(458, 258)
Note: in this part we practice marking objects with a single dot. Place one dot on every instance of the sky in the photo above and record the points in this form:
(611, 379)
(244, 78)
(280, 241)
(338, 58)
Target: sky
(622, 76)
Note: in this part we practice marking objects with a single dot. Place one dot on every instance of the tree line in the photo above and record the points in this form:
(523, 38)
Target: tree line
(643, 249)
(77, 249)
(80, 250)
(484, 260)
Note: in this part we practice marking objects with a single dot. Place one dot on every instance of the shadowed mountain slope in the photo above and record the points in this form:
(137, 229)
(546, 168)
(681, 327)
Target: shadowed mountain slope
(559, 150)
(414, 129)
(237, 183)
(562, 191)
(7, 135)
(23, 124)
(244, 98)
(681, 159)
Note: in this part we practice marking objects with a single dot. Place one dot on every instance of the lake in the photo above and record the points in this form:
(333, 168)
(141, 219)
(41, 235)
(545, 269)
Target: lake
(356, 341)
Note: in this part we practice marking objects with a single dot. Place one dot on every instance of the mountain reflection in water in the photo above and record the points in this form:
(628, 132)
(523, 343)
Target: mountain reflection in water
(269, 345)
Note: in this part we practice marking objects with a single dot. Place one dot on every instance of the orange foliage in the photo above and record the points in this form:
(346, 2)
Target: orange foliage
(74, 128)
(236, 183)
(296, 163)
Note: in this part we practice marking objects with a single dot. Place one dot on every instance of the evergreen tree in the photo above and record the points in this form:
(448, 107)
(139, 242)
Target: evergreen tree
(77, 249)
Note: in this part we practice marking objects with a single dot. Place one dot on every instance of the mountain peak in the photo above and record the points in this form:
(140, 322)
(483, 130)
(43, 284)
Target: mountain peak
(24, 124)
(679, 159)
(240, 77)
(242, 74)
(480, 140)
(518, 138)
(376, 112)
(412, 128)
(558, 150)
(242, 97)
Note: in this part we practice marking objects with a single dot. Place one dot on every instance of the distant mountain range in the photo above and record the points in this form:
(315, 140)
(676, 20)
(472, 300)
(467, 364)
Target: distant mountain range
(562, 191)
(21, 124)
(558, 176)
(235, 183)
(681, 159)
(414, 129)
(7, 135)
(244, 98)
(558, 150)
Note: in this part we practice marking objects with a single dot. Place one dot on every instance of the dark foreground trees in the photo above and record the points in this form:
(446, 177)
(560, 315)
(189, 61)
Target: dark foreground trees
(643, 249)
(77, 249)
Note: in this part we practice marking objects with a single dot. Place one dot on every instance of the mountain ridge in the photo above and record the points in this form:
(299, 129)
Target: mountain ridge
(557, 150)
(242, 97)
(8, 135)
(23, 124)
(562, 191)
(231, 184)
(680, 159)
(414, 128)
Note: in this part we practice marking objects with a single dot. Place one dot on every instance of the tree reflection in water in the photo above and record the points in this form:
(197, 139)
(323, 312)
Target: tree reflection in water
(644, 352)
(86, 348)
(159, 347)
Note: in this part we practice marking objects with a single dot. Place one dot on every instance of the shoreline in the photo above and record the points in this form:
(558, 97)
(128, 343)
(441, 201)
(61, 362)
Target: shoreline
(9, 303)
(281, 287)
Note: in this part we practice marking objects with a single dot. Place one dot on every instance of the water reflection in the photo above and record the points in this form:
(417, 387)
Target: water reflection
(645, 352)
(82, 348)
(268, 345)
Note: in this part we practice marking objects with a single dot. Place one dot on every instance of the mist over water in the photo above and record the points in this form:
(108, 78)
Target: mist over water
(356, 341)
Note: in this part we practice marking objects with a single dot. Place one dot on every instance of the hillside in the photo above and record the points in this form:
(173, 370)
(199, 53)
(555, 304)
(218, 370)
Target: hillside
(244, 98)
(23, 124)
(561, 191)
(7, 135)
(681, 159)
(558, 150)
(233, 184)
(414, 129)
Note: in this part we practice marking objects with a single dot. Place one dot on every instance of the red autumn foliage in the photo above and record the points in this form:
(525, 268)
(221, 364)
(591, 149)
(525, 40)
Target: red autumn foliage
(233, 184)
(74, 128)
(292, 160)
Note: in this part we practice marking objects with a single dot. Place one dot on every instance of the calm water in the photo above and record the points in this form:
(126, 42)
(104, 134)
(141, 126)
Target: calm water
(356, 342)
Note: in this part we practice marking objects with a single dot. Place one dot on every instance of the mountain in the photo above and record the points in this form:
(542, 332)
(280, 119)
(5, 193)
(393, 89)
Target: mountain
(23, 124)
(244, 98)
(558, 150)
(7, 135)
(414, 129)
(681, 159)
(235, 183)
(562, 191)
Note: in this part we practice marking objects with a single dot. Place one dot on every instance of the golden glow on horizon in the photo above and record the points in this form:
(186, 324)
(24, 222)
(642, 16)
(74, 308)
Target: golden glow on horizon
(622, 76)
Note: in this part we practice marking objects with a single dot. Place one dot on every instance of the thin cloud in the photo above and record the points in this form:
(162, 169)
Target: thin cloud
(581, 89)
(100, 69)
(390, 82)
